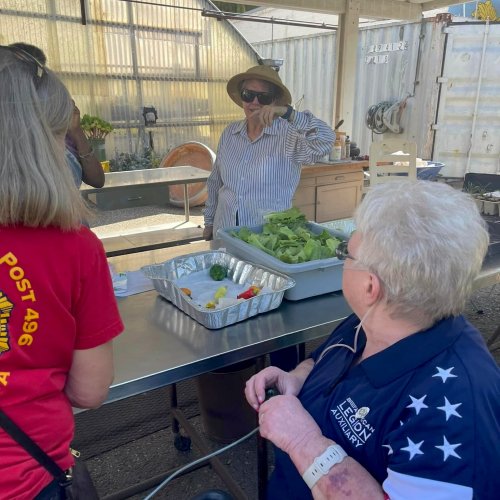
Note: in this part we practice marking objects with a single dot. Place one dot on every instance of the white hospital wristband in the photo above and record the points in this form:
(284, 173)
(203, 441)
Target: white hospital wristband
(333, 455)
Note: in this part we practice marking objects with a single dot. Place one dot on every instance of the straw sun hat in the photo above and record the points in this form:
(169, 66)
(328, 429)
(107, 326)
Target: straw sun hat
(262, 72)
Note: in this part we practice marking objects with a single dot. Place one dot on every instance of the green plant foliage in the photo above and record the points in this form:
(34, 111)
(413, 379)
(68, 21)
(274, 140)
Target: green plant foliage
(95, 127)
(123, 162)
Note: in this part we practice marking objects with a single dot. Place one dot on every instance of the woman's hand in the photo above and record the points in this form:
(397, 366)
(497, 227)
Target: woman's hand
(284, 421)
(74, 126)
(208, 233)
(267, 114)
(285, 383)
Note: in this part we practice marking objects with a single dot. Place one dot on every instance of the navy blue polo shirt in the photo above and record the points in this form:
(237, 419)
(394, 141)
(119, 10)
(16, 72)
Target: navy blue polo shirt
(422, 416)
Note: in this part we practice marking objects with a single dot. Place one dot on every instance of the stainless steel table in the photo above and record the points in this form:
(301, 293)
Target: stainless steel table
(160, 176)
(161, 345)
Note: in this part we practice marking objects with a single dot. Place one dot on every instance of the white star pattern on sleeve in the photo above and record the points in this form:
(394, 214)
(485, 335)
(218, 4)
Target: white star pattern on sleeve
(413, 448)
(444, 374)
(450, 409)
(417, 404)
(449, 449)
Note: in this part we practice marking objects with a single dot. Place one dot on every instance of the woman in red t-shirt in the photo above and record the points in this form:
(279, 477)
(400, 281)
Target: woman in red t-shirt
(58, 314)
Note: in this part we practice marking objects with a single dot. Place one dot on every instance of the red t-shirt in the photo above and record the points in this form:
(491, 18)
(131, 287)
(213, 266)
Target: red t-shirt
(56, 296)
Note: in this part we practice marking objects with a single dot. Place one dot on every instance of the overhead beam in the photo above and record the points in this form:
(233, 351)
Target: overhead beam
(391, 9)
(376, 9)
(437, 4)
(329, 6)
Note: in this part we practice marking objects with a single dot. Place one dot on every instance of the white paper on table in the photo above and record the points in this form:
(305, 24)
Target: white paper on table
(130, 283)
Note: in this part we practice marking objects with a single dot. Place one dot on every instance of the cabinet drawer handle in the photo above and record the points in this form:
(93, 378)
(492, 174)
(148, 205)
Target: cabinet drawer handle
(133, 198)
(339, 177)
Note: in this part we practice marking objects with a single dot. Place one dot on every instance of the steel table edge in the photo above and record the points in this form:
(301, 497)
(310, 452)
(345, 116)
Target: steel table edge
(90, 190)
(129, 388)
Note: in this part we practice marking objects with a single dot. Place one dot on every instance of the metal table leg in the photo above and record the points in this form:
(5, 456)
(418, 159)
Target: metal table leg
(262, 455)
(181, 442)
(216, 464)
(494, 337)
(186, 203)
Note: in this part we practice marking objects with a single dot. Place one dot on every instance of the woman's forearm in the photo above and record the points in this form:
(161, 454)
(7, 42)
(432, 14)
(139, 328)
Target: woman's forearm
(344, 481)
(302, 370)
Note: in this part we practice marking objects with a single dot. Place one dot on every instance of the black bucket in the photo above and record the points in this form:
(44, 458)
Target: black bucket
(225, 413)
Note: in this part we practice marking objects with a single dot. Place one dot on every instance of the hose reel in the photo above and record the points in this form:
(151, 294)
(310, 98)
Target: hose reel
(385, 116)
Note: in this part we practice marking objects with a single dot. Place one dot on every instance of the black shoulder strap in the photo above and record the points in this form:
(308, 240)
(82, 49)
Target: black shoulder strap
(31, 447)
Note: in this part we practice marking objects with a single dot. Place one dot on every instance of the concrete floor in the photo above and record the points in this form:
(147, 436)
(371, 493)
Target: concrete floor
(151, 217)
(131, 440)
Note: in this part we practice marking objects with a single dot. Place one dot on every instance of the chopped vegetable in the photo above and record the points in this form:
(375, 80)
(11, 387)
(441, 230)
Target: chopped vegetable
(218, 272)
(187, 291)
(220, 292)
(248, 294)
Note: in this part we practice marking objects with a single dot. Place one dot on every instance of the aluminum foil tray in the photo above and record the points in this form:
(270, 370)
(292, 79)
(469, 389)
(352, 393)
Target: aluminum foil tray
(165, 275)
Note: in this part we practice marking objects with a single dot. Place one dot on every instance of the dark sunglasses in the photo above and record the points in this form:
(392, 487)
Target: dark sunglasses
(27, 58)
(342, 253)
(264, 98)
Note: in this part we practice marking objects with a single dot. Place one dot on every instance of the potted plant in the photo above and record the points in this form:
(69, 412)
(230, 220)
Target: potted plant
(96, 129)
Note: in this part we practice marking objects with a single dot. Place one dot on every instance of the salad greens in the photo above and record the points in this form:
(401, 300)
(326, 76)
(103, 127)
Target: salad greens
(285, 236)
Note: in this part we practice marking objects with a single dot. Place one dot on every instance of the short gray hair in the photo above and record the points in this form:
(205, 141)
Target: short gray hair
(36, 185)
(426, 242)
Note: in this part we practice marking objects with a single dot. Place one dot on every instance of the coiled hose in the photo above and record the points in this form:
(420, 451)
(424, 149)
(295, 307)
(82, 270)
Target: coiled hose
(375, 117)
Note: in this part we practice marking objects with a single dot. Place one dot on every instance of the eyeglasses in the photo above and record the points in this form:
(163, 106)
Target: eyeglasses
(342, 252)
(27, 58)
(264, 98)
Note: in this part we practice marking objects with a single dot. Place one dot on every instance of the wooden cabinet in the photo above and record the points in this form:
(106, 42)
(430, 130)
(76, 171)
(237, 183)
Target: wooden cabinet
(330, 191)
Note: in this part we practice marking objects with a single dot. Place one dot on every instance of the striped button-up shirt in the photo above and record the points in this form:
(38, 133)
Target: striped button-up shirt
(253, 178)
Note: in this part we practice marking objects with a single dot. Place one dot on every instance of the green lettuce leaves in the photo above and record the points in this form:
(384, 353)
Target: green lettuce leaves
(285, 236)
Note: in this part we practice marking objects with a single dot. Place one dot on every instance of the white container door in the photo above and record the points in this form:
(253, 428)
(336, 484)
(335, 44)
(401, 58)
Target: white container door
(467, 128)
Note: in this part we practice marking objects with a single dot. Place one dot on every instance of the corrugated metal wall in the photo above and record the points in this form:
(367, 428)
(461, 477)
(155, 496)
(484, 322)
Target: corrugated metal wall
(388, 59)
(132, 55)
(405, 61)
(308, 70)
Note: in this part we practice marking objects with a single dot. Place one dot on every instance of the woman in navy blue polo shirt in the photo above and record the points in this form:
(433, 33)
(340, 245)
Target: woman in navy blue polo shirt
(403, 399)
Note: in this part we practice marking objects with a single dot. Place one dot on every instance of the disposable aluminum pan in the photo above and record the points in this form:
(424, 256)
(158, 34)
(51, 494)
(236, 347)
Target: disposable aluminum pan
(165, 275)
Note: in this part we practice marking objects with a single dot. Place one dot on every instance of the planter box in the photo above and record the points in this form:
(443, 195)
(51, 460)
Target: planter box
(479, 204)
(490, 207)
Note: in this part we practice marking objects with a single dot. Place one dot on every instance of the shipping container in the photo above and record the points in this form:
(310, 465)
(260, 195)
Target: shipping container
(445, 76)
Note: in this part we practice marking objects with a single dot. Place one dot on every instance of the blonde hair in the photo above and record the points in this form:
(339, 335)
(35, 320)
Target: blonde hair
(36, 184)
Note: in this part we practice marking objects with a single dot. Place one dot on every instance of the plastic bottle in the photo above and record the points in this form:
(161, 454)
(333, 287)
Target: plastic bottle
(341, 137)
(336, 153)
(348, 148)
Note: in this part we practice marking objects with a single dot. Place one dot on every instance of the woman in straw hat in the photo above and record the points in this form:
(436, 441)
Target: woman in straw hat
(259, 158)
